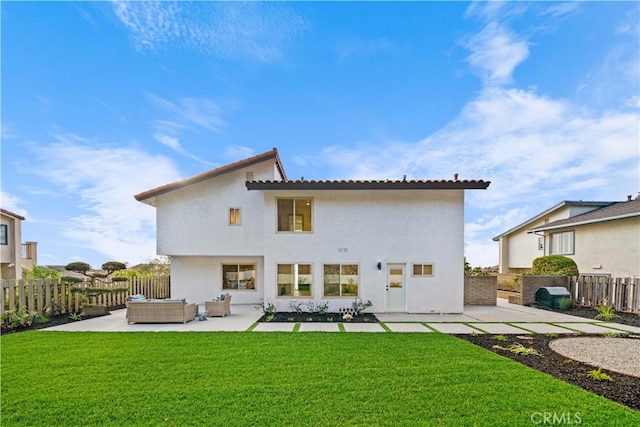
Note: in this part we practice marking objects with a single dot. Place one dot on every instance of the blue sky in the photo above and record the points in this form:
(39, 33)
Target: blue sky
(101, 101)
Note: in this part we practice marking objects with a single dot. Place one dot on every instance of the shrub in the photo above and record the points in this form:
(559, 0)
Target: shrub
(554, 265)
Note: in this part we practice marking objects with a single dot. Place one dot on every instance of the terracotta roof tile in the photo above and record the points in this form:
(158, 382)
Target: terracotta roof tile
(6, 212)
(369, 185)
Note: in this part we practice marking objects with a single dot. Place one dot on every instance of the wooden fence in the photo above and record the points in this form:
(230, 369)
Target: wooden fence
(42, 295)
(621, 293)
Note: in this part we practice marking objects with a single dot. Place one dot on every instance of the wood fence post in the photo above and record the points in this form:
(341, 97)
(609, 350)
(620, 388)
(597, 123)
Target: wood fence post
(3, 296)
(31, 304)
(39, 295)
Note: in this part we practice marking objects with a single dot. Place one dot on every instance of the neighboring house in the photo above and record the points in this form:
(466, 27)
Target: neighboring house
(603, 238)
(10, 245)
(246, 229)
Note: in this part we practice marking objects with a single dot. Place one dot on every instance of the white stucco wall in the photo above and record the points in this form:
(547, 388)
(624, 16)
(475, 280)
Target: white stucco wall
(356, 227)
(195, 220)
(366, 227)
(199, 278)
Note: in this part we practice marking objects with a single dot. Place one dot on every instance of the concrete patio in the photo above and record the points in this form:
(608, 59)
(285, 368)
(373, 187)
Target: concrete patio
(504, 318)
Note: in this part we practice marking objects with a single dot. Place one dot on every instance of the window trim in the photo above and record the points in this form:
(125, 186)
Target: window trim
(563, 251)
(4, 236)
(340, 264)
(234, 215)
(422, 265)
(295, 214)
(286, 296)
(238, 265)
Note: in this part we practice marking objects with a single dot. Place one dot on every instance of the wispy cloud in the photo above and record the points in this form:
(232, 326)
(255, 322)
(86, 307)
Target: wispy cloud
(536, 149)
(204, 113)
(102, 178)
(496, 52)
(12, 203)
(187, 114)
(231, 30)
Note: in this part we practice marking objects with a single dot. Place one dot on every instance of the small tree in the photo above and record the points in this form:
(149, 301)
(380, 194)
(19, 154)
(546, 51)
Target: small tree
(554, 265)
(160, 266)
(85, 269)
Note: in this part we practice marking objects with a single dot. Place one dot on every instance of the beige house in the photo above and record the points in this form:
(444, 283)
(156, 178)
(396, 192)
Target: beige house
(15, 257)
(603, 238)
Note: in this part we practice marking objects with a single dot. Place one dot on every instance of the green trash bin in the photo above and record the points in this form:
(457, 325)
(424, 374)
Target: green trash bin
(556, 297)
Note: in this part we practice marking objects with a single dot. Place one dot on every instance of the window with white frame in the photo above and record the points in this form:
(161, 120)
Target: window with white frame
(4, 239)
(294, 215)
(562, 243)
(421, 270)
(341, 280)
(294, 280)
(234, 216)
(239, 276)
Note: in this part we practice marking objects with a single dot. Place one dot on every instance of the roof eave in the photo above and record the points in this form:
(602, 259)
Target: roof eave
(367, 185)
(11, 214)
(587, 222)
(145, 196)
(548, 211)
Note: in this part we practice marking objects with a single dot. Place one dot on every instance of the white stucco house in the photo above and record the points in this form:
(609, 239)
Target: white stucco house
(246, 229)
(603, 238)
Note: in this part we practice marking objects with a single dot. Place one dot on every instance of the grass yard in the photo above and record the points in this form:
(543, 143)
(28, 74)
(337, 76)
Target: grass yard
(279, 379)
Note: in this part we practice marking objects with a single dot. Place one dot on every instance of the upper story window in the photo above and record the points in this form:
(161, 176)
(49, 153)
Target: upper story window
(4, 239)
(562, 243)
(294, 215)
(234, 216)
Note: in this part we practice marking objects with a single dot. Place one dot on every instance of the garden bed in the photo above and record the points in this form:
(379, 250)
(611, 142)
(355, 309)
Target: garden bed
(631, 319)
(317, 317)
(59, 319)
(624, 389)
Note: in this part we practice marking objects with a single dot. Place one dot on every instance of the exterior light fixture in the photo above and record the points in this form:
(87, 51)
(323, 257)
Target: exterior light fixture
(379, 265)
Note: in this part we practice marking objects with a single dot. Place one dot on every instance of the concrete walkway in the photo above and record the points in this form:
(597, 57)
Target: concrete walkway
(504, 318)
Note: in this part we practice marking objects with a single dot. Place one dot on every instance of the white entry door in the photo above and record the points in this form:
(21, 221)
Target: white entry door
(395, 288)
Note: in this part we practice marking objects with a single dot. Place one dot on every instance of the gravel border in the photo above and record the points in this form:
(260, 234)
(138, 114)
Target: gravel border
(615, 354)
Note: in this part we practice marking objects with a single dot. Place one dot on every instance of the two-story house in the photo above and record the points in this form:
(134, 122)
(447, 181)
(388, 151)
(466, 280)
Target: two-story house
(10, 245)
(603, 238)
(245, 228)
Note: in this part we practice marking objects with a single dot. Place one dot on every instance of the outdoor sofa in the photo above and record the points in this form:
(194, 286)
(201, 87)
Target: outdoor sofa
(219, 308)
(160, 311)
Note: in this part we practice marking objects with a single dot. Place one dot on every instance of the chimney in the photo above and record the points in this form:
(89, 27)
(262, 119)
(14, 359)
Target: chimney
(455, 176)
(628, 197)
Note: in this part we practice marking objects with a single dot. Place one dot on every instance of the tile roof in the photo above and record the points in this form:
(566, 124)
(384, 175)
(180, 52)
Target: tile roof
(615, 211)
(273, 154)
(9, 213)
(369, 185)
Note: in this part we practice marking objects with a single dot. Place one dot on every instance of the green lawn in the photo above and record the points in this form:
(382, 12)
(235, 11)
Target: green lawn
(279, 379)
